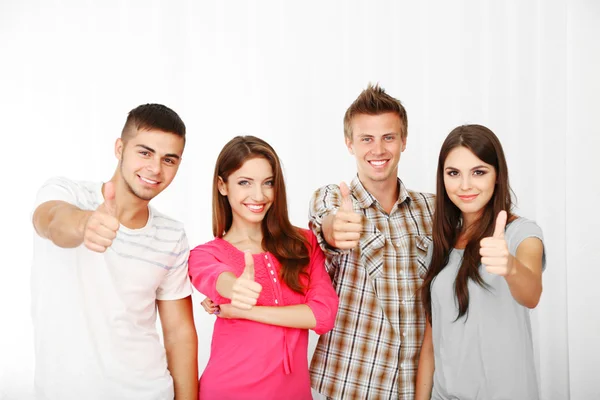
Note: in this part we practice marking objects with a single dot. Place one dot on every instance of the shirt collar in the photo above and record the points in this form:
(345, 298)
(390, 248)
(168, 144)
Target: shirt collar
(366, 199)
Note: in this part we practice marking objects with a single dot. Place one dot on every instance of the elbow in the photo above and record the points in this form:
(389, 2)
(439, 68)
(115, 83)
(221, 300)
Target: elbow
(326, 321)
(533, 300)
(323, 328)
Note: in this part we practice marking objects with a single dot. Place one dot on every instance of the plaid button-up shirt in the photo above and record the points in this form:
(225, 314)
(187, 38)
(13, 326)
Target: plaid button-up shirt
(373, 350)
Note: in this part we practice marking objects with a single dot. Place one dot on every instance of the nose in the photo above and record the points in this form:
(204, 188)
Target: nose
(154, 166)
(378, 147)
(465, 182)
(257, 193)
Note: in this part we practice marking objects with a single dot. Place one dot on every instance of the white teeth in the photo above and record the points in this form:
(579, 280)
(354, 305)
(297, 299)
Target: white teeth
(148, 181)
(378, 163)
(254, 207)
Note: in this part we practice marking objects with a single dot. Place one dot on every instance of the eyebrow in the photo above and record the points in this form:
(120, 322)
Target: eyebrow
(250, 179)
(151, 150)
(371, 135)
(472, 169)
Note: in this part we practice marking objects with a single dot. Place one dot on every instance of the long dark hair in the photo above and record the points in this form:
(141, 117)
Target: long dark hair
(447, 221)
(280, 237)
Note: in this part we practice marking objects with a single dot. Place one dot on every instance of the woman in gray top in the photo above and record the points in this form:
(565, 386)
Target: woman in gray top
(485, 274)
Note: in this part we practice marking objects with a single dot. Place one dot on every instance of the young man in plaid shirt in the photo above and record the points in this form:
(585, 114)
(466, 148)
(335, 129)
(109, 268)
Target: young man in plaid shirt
(375, 234)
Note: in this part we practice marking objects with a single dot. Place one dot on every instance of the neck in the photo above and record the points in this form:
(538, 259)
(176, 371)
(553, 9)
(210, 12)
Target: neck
(386, 192)
(243, 231)
(469, 221)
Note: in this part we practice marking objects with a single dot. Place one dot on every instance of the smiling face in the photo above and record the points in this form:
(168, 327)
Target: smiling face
(148, 161)
(469, 182)
(249, 191)
(377, 144)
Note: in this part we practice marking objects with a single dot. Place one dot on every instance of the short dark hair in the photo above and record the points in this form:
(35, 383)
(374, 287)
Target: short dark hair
(150, 117)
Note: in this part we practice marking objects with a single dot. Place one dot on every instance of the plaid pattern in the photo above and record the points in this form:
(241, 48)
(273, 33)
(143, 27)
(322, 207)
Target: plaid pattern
(373, 350)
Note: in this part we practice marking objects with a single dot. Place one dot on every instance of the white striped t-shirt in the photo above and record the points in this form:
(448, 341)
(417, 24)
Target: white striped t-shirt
(94, 314)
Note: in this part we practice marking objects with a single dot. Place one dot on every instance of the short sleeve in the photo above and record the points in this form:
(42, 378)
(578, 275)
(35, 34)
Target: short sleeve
(176, 284)
(521, 229)
(60, 189)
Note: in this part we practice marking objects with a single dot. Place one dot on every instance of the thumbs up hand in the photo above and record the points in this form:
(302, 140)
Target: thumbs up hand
(245, 290)
(494, 250)
(346, 225)
(102, 225)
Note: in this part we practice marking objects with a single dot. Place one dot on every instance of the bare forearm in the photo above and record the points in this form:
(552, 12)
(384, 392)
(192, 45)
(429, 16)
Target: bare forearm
(424, 376)
(60, 222)
(296, 316)
(182, 350)
(225, 283)
(525, 286)
(426, 367)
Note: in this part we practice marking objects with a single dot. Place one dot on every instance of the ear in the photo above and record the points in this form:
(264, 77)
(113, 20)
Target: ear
(349, 145)
(403, 144)
(119, 145)
(222, 187)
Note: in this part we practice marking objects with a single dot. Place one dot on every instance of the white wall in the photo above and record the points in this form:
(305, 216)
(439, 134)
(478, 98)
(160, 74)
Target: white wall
(286, 71)
(582, 196)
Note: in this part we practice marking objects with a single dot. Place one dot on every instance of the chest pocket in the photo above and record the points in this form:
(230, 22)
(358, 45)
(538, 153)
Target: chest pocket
(371, 252)
(422, 243)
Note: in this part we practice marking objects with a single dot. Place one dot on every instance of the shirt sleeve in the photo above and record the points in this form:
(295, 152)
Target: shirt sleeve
(204, 269)
(176, 284)
(320, 297)
(60, 189)
(424, 266)
(521, 229)
(324, 201)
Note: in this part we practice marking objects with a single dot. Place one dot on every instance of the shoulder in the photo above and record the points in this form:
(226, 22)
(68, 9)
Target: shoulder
(161, 220)
(331, 189)
(82, 194)
(522, 226)
(422, 207)
(70, 184)
(212, 247)
(520, 229)
(421, 197)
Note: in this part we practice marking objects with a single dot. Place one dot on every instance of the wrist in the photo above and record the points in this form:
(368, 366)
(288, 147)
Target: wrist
(82, 220)
(512, 267)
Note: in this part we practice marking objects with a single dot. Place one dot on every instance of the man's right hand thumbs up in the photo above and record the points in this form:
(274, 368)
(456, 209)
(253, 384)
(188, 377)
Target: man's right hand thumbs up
(342, 229)
(102, 225)
(245, 290)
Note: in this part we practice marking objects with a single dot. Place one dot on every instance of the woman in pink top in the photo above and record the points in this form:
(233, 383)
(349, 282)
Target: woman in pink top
(267, 278)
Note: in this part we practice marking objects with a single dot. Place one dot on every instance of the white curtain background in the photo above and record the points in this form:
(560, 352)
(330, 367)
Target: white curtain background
(286, 72)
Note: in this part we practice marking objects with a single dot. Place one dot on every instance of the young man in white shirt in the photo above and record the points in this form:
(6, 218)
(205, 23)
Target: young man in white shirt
(104, 262)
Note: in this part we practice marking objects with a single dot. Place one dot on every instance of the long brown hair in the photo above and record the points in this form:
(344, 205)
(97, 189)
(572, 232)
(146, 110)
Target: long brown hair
(286, 242)
(447, 218)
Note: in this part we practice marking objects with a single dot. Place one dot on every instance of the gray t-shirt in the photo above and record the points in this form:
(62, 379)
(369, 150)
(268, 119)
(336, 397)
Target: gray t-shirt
(489, 354)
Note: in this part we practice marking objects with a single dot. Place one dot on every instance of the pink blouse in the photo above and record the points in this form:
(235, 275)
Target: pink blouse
(252, 360)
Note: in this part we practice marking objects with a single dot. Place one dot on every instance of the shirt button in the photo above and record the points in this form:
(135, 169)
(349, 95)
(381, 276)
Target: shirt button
(404, 333)
(272, 273)
(266, 256)
(268, 264)
(397, 244)
(402, 301)
(276, 302)
(401, 272)
(274, 280)
(402, 365)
